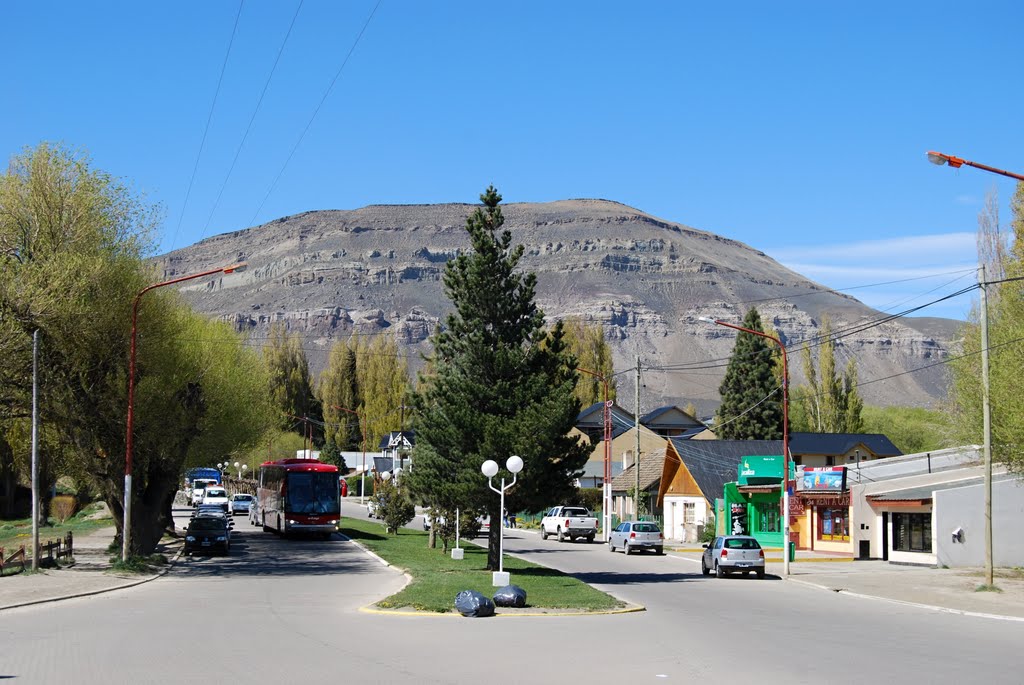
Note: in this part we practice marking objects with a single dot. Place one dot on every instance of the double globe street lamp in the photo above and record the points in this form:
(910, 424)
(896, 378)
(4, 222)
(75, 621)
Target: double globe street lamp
(489, 468)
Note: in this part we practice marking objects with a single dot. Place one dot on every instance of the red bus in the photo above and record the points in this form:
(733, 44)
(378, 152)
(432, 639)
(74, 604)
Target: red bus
(299, 496)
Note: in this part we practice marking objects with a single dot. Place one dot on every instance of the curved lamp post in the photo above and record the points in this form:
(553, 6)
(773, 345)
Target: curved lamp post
(126, 526)
(785, 432)
(956, 163)
(490, 469)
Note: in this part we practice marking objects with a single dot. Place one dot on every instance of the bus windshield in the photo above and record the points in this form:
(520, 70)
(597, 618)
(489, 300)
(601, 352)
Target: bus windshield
(313, 493)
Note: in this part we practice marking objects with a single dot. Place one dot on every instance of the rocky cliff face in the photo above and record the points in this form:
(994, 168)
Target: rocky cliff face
(377, 270)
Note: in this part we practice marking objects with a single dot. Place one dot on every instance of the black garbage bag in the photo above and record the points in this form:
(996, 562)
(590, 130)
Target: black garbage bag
(472, 603)
(510, 596)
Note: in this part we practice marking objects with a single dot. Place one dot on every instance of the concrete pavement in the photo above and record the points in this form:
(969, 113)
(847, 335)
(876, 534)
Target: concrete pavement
(946, 590)
(91, 574)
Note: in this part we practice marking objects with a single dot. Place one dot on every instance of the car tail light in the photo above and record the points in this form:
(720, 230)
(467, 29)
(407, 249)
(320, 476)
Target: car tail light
(566, 523)
(632, 536)
(660, 536)
(725, 553)
(760, 553)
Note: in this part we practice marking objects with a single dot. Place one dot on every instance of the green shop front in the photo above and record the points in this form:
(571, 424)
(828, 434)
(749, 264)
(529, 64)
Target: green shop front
(753, 504)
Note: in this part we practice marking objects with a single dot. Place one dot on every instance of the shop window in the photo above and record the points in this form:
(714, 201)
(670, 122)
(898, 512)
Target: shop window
(768, 519)
(912, 532)
(689, 512)
(834, 524)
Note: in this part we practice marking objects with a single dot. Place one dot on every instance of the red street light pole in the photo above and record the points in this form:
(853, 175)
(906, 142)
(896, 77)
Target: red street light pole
(362, 429)
(606, 495)
(956, 163)
(785, 432)
(129, 437)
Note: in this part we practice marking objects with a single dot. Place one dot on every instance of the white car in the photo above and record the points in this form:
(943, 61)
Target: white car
(216, 494)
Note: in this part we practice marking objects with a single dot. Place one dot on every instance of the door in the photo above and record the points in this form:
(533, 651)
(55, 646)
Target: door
(885, 536)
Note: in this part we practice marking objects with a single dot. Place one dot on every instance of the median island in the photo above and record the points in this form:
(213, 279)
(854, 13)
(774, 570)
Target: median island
(437, 578)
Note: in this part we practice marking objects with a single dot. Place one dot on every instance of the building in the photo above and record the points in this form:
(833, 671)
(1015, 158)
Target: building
(652, 464)
(694, 476)
(839, 449)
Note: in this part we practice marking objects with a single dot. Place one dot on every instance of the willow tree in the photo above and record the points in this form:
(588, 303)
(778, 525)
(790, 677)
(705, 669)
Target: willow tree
(72, 242)
(502, 386)
(586, 342)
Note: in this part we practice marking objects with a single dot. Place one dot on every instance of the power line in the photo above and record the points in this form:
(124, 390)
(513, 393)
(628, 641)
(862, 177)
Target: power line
(209, 118)
(315, 112)
(245, 136)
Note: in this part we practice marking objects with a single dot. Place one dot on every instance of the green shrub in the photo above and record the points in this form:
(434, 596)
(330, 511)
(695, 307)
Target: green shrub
(63, 507)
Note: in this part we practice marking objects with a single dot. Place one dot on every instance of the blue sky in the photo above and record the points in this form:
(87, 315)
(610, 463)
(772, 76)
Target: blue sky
(799, 128)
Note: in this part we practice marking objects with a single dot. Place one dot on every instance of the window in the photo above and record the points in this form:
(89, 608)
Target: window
(834, 524)
(912, 532)
(742, 543)
(830, 461)
(689, 512)
(768, 519)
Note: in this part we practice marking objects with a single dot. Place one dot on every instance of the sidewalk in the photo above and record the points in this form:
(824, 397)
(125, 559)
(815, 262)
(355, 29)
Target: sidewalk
(89, 575)
(950, 590)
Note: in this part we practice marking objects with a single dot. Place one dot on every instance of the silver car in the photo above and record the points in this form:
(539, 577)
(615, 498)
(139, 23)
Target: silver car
(732, 553)
(630, 536)
(240, 503)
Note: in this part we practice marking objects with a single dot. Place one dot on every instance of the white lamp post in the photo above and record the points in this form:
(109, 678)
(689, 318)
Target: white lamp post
(238, 468)
(490, 469)
(245, 467)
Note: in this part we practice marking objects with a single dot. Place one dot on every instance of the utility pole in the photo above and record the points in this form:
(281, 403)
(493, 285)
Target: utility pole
(35, 450)
(986, 414)
(636, 457)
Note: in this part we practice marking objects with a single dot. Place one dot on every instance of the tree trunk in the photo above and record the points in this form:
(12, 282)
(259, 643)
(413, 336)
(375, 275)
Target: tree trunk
(494, 537)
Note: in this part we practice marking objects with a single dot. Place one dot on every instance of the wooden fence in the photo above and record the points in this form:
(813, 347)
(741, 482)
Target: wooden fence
(50, 552)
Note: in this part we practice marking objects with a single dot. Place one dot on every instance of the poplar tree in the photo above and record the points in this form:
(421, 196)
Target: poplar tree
(751, 406)
(828, 402)
(502, 386)
(586, 342)
(383, 385)
(339, 387)
(291, 388)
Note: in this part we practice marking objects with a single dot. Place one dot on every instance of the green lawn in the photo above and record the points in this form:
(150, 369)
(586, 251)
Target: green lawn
(437, 578)
(15, 533)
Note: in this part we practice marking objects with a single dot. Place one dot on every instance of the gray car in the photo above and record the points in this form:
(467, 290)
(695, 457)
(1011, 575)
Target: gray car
(240, 503)
(631, 536)
(732, 554)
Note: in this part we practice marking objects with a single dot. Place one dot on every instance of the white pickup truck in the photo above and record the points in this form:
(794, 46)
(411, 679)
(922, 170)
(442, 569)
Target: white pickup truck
(569, 523)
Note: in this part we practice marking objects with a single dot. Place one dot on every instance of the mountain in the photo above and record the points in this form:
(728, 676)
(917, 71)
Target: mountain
(377, 270)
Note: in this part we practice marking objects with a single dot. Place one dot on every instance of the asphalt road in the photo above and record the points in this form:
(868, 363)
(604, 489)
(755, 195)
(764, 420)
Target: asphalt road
(286, 611)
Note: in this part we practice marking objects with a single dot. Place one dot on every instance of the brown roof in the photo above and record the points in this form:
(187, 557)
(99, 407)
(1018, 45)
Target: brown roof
(651, 466)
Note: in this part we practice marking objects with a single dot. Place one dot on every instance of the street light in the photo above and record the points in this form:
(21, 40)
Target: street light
(606, 496)
(785, 432)
(129, 436)
(238, 468)
(362, 429)
(986, 410)
(490, 469)
(957, 162)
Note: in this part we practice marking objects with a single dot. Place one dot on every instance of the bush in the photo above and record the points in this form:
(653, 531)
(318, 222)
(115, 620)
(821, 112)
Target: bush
(63, 507)
(393, 507)
(353, 485)
(708, 533)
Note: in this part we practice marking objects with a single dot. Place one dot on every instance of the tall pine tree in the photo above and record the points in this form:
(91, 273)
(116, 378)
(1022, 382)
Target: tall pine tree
(751, 406)
(501, 386)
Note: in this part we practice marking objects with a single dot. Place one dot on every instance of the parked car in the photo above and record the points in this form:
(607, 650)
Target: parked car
(210, 510)
(568, 523)
(632, 536)
(207, 534)
(216, 494)
(240, 503)
(732, 553)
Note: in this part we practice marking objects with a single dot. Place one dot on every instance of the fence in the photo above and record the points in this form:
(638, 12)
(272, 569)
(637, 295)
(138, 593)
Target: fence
(50, 552)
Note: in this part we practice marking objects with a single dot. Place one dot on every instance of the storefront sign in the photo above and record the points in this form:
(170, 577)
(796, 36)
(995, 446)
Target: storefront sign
(824, 499)
(760, 470)
(822, 478)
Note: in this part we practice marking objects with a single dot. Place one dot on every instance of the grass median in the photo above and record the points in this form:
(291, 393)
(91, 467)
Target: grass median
(437, 578)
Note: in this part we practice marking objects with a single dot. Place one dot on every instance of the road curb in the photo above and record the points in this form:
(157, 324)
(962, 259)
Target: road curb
(632, 609)
(917, 605)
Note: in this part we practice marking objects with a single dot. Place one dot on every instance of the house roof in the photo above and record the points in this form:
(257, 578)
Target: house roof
(660, 416)
(397, 439)
(651, 466)
(713, 463)
(841, 443)
(924, 492)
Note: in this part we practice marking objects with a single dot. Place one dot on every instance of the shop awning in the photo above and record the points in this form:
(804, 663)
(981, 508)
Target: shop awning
(922, 493)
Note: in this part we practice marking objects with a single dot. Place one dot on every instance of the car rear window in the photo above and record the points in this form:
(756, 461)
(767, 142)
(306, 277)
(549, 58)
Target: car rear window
(575, 512)
(741, 543)
(646, 528)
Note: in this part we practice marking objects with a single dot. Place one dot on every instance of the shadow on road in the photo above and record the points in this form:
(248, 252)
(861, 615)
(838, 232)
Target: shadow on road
(637, 578)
